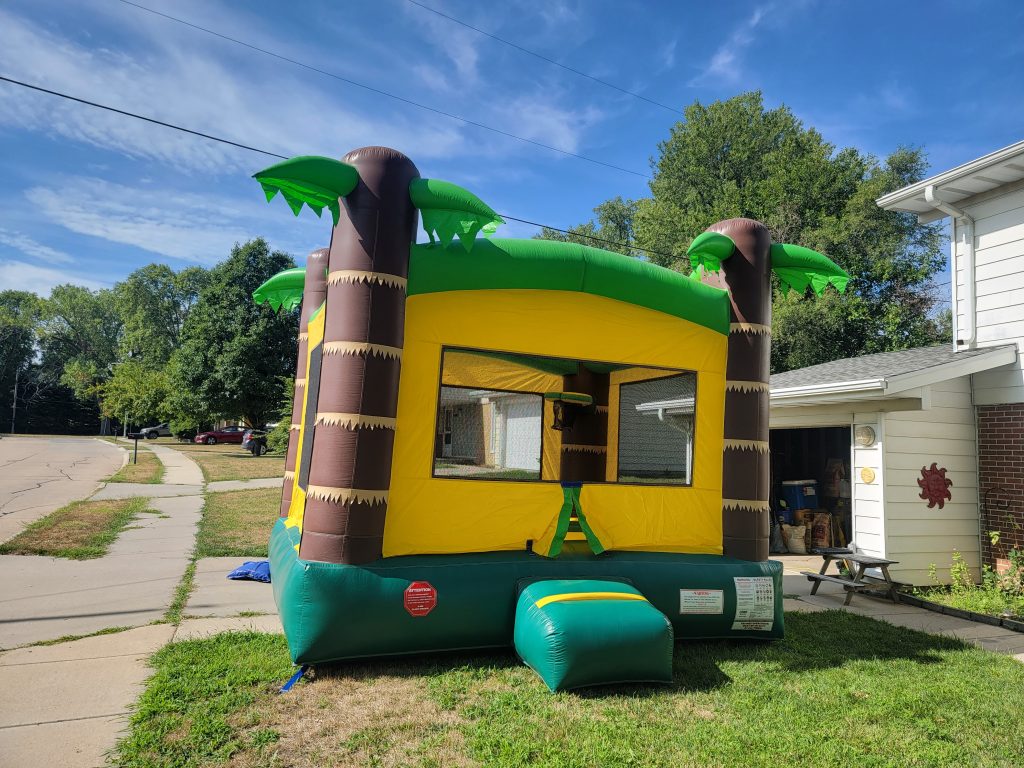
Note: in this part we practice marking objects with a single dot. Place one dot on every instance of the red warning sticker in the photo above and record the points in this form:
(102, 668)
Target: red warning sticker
(420, 598)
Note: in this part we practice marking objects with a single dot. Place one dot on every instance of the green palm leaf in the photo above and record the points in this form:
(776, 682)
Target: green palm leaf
(318, 182)
(708, 250)
(282, 290)
(799, 267)
(449, 211)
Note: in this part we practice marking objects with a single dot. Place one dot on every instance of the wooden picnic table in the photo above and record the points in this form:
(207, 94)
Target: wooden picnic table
(853, 580)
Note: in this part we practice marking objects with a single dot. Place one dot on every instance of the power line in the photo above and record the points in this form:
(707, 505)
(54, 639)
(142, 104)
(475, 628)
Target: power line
(222, 140)
(139, 117)
(381, 92)
(544, 58)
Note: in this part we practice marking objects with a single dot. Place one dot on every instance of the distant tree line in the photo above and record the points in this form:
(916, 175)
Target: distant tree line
(187, 347)
(736, 158)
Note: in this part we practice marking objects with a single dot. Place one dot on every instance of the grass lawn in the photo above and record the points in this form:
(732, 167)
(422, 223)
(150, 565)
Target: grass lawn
(238, 523)
(229, 462)
(147, 470)
(840, 690)
(80, 531)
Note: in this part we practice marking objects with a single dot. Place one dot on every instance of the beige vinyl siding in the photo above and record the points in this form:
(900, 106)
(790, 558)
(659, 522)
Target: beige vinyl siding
(915, 535)
(869, 498)
(999, 281)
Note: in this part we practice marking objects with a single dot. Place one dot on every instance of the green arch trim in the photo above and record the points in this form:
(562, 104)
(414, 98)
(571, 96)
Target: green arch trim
(502, 263)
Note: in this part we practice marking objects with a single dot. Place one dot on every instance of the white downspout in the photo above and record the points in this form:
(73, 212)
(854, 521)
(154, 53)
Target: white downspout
(968, 239)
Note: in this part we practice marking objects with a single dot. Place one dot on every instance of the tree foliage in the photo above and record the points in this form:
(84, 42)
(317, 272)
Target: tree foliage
(153, 303)
(737, 158)
(232, 353)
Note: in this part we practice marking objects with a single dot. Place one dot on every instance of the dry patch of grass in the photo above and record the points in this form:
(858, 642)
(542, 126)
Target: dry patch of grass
(147, 470)
(238, 523)
(230, 462)
(372, 714)
(80, 531)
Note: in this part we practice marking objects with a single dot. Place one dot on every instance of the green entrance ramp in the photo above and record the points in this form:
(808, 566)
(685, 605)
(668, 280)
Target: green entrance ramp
(578, 632)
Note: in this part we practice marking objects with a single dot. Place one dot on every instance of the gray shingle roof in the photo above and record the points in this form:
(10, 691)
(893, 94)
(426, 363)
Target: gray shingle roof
(883, 365)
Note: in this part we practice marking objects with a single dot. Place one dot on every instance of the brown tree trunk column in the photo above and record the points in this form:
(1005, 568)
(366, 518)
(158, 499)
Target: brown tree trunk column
(350, 467)
(745, 466)
(313, 294)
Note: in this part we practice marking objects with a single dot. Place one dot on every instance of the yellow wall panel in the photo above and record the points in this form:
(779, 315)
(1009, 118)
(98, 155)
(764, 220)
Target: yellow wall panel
(447, 515)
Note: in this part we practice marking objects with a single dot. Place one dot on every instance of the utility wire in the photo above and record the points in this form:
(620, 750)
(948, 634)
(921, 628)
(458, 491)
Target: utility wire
(542, 57)
(222, 140)
(381, 92)
(139, 117)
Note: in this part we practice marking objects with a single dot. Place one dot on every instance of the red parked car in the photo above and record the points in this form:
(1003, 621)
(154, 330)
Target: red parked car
(225, 435)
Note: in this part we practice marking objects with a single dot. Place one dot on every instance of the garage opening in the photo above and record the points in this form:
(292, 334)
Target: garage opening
(810, 487)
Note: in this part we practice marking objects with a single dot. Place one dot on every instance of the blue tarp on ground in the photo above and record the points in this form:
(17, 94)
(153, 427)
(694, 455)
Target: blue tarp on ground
(253, 570)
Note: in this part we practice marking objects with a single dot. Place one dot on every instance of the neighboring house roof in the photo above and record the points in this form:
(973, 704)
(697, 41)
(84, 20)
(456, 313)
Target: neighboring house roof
(884, 374)
(994, 170)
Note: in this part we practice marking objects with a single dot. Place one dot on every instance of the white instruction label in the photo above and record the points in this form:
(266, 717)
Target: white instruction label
(701, 601)
(755, 603)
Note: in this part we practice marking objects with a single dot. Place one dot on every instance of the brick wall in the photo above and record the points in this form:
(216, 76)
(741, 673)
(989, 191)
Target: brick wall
(1001, 478)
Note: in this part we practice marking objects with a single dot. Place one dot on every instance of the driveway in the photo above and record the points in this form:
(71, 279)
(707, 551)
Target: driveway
(41, 474)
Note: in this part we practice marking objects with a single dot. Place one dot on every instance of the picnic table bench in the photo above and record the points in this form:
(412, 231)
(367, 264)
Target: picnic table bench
(853, 580)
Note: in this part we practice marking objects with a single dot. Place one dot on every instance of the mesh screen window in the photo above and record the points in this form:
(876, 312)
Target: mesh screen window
(656, 430)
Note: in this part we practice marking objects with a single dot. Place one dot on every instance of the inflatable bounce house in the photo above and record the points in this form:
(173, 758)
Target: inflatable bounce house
(521, 442)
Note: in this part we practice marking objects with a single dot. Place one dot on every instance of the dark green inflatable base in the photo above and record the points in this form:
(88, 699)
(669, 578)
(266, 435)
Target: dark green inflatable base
(332, 611)
(575, 633)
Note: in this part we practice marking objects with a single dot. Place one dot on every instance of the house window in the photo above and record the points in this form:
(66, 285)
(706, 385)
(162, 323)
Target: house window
(488, 434)
(656, 430)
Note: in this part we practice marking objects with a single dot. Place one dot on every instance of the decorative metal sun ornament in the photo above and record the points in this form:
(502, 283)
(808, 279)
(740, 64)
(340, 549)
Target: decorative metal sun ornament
(935, 486)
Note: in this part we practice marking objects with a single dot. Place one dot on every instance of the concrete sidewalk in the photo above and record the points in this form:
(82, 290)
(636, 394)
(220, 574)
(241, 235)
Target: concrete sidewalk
(220, 486)
(47, 597)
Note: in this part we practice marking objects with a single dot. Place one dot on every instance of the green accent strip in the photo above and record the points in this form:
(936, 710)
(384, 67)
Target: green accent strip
(316, 312)
(316, 181)
(569, 397)
(709, 250)
(502, 263)
(595, 543)
(449, 211)
(563, 522)
(282, 290)
(799, 267)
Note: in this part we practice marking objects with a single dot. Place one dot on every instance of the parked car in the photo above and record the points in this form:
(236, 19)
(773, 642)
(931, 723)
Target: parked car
(224, 435)
(255, 441)
(152, 433)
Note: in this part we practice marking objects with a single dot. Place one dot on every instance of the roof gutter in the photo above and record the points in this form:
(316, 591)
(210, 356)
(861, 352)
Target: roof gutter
(967, 233)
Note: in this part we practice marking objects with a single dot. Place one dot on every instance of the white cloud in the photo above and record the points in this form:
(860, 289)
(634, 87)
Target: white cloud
(667, 55)
(542, 120)
(184, 226)
(262, 104)
(29, 247)
(725, 66)
(17, 275)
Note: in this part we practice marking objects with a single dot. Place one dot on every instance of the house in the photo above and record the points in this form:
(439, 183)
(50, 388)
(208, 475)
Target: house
(892, 416)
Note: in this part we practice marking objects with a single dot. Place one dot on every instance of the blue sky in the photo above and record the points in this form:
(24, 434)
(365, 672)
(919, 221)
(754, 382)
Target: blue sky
(89, 196)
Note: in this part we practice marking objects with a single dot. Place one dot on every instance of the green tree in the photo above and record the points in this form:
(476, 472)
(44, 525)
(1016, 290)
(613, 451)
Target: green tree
(79, 337)
(135, 393)
(153, 303)
(19, 318)
(736, 158)
(612, 229)
(233, 353)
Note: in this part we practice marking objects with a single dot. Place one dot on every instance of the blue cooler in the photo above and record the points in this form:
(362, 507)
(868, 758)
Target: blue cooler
(800, 494)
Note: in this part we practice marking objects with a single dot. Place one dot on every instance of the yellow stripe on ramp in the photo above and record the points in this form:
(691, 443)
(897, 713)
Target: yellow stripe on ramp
(568, 597)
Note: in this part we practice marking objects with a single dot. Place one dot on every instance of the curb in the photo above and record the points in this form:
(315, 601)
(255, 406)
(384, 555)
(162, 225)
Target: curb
(1013, 624)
